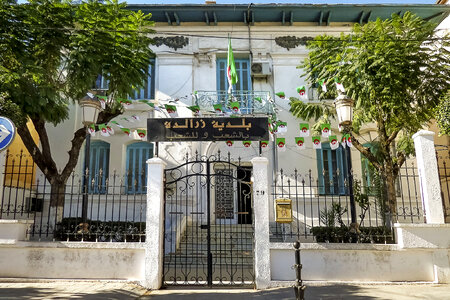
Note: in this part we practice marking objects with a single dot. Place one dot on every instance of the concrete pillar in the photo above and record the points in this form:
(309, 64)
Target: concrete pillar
(154, 231)
(429, 176)
(261, 213)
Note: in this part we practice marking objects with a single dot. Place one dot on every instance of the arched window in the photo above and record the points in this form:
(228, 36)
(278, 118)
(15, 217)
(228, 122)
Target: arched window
(98, 166)
(136, 172)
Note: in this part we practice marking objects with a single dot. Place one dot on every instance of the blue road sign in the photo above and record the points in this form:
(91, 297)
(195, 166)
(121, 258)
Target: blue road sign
(7, 132)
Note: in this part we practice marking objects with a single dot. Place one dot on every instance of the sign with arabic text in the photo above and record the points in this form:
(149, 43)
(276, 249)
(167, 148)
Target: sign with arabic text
(207, 129)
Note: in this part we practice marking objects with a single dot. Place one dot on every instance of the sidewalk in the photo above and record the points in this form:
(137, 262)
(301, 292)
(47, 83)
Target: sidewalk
(120, 290)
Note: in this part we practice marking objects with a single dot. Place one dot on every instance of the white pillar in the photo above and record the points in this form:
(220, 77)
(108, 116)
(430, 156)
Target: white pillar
(429, 176)
(261, 213)
(154, 231)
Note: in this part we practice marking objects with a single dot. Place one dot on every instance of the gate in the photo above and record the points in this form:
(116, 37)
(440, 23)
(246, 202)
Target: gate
(208, 238)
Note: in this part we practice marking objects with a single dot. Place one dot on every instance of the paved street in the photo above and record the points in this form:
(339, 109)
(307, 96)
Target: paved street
(68, 289)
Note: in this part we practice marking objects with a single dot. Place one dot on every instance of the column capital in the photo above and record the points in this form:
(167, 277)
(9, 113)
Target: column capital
(423, 133)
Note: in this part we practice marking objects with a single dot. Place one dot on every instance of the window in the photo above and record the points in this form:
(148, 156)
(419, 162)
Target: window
(145, 92)
(243, 71)
(136, 174)
(332, 170)
(98, 167)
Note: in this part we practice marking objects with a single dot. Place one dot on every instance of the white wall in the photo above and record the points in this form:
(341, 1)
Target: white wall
(72, 260)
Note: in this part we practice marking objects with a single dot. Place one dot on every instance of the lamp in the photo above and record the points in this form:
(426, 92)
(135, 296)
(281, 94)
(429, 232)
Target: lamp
(90, 108)
(344, 110)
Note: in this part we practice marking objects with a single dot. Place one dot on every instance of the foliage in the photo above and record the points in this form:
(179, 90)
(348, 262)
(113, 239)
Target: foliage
(71, 229)
(396, 72)
(333, 216)
(443, 115)
(51, 53)
(378, 235)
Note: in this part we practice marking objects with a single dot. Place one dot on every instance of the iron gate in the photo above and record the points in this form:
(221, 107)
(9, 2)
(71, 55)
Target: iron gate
(208, 238)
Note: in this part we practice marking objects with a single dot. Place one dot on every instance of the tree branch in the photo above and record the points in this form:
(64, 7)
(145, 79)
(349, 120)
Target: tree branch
(78, 138)
(392, 137)
(366, 152)
(401, 158)
(39, 125)
(34, 151)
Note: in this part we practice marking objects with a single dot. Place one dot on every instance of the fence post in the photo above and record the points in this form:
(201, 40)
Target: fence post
(261, 213)
(429, 177)
(154, 230)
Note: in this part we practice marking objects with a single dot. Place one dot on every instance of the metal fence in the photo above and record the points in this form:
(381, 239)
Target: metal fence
(104, 208)
(319, 216)
(443, 161)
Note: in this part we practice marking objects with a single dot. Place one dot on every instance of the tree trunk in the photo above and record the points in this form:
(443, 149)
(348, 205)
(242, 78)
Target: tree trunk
(57, 193)
(390, 193)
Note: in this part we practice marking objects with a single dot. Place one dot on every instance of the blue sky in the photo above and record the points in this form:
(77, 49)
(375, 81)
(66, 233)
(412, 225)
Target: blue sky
(284, 1)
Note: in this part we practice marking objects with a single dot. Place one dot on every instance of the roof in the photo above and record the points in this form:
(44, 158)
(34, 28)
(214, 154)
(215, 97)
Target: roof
(286, 14)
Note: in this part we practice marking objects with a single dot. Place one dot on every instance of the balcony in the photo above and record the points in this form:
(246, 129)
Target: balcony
(251, 102)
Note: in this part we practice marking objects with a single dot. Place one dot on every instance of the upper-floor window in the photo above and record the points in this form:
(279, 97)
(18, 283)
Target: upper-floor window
(136, 172)
(243, 71)
(332, 170)
(145, 92)
(98, 166)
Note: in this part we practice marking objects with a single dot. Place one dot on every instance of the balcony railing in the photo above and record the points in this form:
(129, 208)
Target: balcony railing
(251, 102)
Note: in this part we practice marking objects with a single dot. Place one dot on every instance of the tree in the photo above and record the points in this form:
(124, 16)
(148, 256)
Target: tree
(51, 53)
(396, 72)
(443, 115)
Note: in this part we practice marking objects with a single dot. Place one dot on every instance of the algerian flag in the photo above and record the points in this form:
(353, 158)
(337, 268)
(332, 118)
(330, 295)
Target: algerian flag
(334, 144)
(344, 140)
(218, 108)
(281, 144)
(326, 130)
(102, 100)
(110, 130)
(258, 99)
(349, 140)
(229, 143)
(282, 127)
(103, 130)
(152, 105)
(231, 68)
(323, 85)
(246, 144)
(304, 129)
(264, 144)
(235, 107)
(339, 85)
(195, 109)
(117, 124)
(301, 90)
(91, 129)
(171, 110)
(142, 133)
(126, 103)
(300, 141)
(281, 95)
(316, 142)
(125, 130)
(127, 120)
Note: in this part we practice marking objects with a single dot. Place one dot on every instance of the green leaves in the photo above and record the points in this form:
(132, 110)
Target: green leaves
(51, 52)
(443, 115)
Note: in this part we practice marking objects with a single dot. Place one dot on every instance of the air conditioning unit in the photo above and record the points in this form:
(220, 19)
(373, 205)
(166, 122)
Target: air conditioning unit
(261, 69)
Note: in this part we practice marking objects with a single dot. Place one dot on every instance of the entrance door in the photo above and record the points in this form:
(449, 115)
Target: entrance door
(198, 250)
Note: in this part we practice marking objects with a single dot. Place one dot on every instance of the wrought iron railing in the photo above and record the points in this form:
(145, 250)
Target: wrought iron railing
(326, 217)
(443, 161)
(251, 102)
(112, 215)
